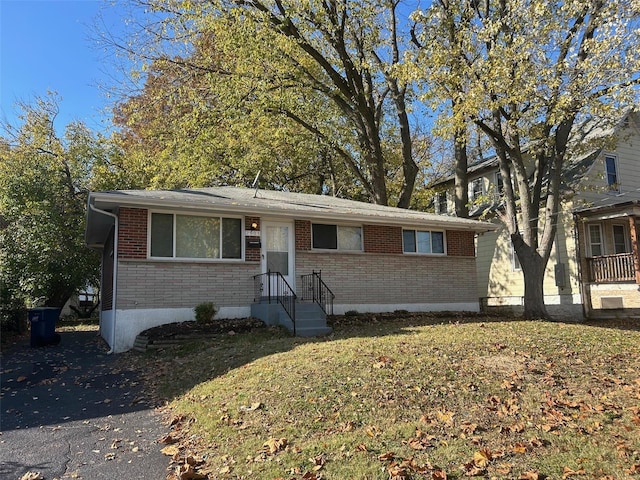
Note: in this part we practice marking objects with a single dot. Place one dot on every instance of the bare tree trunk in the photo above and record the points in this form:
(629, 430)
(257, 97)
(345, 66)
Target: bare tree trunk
(533, 267)
(461, 200)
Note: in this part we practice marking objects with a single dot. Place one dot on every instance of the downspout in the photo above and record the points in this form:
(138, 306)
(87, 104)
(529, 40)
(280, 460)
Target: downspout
(115, 271)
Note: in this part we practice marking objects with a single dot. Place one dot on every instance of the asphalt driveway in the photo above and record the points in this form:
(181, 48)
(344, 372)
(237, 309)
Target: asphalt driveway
(72, 411)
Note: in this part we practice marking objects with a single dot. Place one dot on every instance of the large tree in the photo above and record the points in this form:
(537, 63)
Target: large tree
(44, 180)
(534, 74)
(327, 68)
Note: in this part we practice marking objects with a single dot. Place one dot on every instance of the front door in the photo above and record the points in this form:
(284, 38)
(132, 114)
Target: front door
(277, 250)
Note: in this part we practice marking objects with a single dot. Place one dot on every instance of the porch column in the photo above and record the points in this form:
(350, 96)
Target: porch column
(634, 247)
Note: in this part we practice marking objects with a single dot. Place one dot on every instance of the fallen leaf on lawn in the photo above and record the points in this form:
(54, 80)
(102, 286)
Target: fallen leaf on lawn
(439, 475)
(22, 378)
(32, 475)
(310, 476)
(383, 362)
(386, 456)
(187, 472)
(532, 475)
(568, 472)
(469, 428)
(225, 469)
(347, 426)
(504, 468)
(274, 445)
(444, 416)
(635, 469)
(372, 431)
(519, 448)
(398, 472)
(362, 448)
(167, 440)
(170, 450)
(482, 458)
(318, 462)
(254, 406)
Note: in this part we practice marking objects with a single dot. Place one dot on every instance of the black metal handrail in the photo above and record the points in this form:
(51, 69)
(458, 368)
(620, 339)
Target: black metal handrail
(273, 287)
(314, 289)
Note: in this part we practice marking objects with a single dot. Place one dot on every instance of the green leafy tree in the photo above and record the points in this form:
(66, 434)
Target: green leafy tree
(531, 75)
(316, 77)
(44, 181)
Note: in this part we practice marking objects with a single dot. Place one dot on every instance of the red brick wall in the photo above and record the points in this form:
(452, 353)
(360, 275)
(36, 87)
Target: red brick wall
(252, 254)
(303, 235)
(132, 233)
(382, 239)
(460, 244)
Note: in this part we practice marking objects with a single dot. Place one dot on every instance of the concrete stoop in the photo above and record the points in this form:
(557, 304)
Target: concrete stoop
(311, 321)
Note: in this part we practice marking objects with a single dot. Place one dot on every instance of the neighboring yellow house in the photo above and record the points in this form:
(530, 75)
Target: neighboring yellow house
(594, 268)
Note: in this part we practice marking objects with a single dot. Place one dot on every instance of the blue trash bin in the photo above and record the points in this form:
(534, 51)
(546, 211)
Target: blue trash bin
(43, 326)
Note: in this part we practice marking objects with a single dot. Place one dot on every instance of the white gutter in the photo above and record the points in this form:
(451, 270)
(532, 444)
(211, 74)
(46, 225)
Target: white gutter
(115, 271)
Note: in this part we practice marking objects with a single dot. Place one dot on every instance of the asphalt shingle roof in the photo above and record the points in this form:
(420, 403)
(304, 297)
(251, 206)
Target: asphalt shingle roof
(267, 202)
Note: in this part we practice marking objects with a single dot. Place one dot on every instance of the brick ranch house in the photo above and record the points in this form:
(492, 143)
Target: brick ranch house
(275, 255)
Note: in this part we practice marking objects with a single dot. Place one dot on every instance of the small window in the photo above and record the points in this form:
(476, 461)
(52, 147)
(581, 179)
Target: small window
(476, 189)
(423, 241)
(441, 203)
(611, 168)
(515, 261)
(499, 191)
(595, 240)
(195, 236)
(620, 243)
(336, 237)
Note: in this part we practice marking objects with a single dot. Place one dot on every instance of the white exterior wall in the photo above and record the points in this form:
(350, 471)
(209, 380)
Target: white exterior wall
(500, 285)
(593, 187)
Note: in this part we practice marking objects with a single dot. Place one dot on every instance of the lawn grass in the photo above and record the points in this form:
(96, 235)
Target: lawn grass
(417, 397)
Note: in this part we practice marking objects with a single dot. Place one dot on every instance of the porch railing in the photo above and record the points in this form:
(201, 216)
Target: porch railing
(273, 288)
(612, 268)
(314, 289)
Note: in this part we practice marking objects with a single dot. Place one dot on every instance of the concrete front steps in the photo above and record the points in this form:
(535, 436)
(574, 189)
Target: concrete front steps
(311, 321)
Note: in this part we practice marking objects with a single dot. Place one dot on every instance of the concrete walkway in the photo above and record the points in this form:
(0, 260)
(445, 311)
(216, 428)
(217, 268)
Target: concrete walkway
(72, 411)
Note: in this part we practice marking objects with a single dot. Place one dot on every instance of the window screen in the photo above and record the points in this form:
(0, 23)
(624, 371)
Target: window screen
(325, 236)
(161, 235)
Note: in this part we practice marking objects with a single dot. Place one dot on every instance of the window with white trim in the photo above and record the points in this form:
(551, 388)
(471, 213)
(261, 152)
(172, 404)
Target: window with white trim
(515, 261)
(173, 235)
(423, 241)
(476, 188)
(336, 237)
(499, 190)
(441, 203)
(596, 246)
(611, 171)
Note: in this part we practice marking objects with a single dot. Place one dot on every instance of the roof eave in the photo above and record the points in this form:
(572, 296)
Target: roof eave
(105, 200)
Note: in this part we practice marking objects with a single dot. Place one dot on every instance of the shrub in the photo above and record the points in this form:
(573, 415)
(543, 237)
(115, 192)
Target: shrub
(351, 313)
(205, 312)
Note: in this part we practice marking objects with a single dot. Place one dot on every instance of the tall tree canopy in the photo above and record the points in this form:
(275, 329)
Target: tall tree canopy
(303, 77)
(530, 74)
(44, 181)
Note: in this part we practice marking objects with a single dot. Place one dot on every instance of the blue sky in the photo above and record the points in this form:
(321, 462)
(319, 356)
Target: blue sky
(47, 45)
